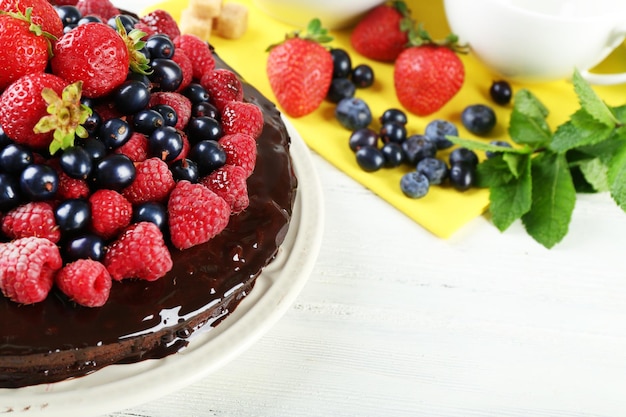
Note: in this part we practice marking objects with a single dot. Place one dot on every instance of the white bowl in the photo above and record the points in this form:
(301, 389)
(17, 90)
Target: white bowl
(334, 14)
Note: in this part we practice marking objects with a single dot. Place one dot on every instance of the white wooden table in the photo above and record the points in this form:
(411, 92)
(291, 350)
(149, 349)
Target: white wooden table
(397, 322)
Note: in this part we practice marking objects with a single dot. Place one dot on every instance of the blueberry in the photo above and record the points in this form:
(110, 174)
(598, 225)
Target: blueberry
(414, 184)
(393, 154)
(72, 215)
(353, 113)
(393, 132)
(39, 182)
(418, 147)
(131, 96)
(434, 169)
(114, 133)
(479, 119)
(339, 89)
(160, 46)
(14, 158)
(87, 246)
(395, 116)
(370, 159)
(438, 129)
(114, 171)
(363, 76)
(165, 143)
(501, 143)
(363, 137)
(463, 155)
(166, 74)
(342, 64)
(501, 92)
(9, 192)
(462, 176)
(76, 162)
(151, 212)
(209, 155)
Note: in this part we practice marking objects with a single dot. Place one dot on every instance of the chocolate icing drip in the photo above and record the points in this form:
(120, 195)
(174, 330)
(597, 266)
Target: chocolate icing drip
(56, 339)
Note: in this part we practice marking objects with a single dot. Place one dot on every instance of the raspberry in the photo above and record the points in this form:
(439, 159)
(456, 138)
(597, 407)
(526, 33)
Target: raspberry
(149, 31)
(136, 148)
(102, 8)
(86, 282)
(177, 101)
(223, 87)
(31, 219)
(140, 252)
(27, 268)
(240, 150)
(196, 214)
(153, 182)
(198, 52)
(229, 182)
(183, 61)
(240, 117)
(71, 188)
(110, 212)
(161, 21)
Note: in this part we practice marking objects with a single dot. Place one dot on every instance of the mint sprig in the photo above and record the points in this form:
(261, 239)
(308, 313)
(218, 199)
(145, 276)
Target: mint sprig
(537, 181)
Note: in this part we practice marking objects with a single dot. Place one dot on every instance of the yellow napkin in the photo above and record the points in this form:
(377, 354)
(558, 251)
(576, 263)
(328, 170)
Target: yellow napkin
(444, 210)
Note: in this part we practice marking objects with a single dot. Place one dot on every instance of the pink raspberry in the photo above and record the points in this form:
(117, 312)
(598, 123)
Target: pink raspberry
(223, 87)
(177, 101)
(136, 148)
(241, 117)
(86, 282)
(103, 8)
(31, 219)
(140, 252)
(111, 212)
(229, 182)
(27, 268)
(153, 182)
(198, 52)
(240, 150)
(71, 188)
(196, 214)
(183, 61)
(160, 21)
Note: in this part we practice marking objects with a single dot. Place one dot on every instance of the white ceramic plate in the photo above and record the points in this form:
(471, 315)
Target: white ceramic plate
(121, 386)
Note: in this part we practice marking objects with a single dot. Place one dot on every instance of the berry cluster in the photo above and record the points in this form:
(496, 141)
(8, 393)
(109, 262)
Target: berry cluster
(112, 155)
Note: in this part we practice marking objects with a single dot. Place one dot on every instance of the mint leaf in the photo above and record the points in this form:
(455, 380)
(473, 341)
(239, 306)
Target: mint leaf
(493, 172)
(553, 199)
(617, 177)
(595, 173)
(510, 201)
(528, 120)
(581, 130)
(591, 103)
(484, 146)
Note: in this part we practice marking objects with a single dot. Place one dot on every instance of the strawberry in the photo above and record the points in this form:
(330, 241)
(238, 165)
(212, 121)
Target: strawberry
(86, 282)
(23, 107)
(43, 14)
(27, 268)
(428, 75)
(300, 70)
(383, 32)
(23, 51)
(101, 8)
(196, 214)
(223, 87)
(139, 252)
(31, 219)
(160, 21)
(241, 117)
(101, 69)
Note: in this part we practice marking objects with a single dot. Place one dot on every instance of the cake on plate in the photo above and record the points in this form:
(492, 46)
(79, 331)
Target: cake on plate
(184, 258)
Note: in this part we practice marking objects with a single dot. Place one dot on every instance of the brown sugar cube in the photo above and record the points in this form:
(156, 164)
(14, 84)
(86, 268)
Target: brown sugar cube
(206, 9)
(191, 24)
(233, 21)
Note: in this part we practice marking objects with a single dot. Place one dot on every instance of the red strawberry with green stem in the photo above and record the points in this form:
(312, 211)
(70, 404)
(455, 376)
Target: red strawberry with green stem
(383, 32)
(300, 70)
(429, 73)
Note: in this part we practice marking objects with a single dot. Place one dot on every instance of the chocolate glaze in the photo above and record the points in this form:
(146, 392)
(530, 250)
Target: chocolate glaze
(56, 339)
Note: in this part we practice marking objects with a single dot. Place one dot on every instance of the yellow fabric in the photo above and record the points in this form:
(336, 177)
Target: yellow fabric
(443, 211)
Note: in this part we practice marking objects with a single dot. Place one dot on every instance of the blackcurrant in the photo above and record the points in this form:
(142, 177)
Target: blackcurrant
(160, 46)
(204, 128)
(114, 171)
(339, 89)
(185, 169)
(39, 182)
(72, 215)
(342, 63)
(170, 117)
(363, 137)
(479, 119)
(393, 132)
(14, 158)
(501, 92)
(9, 192)
(86, 246)
(147, 121)
(131, 96)
(165, 143)
(114, 133)
(76, 162)
(152, 212)
(394, 115)
(166, 74)
(196, 93)
(363, 76)
(370, 159)
(209, 155)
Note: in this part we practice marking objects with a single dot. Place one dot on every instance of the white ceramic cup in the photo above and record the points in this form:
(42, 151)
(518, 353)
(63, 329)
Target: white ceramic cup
(540, 40)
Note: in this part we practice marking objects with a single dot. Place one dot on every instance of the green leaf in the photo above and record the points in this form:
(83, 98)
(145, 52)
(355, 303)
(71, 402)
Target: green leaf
(553, 199)
(528, 120)
(493, 172)
(591, 103)
(581, 130)
(484, 146)
(595, 173)
(617, 177)
(510, 201)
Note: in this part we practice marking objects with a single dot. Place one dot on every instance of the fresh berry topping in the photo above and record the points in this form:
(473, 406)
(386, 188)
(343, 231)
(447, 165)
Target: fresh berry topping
(114, 171)
(240, 150)
(136, 149)
(223, 86)
(102, 8)
(185, 65)
(110, 213)
(86, 282)
(39, 182)
(204, 128)
(165, 143)
(197, 51)
(209, 155)
(76, 162)
(71, 187)
(154, 181)
(242, 117)
(84, 246)
(166, 75)
(479, 119)
(9, 192)
(72, 215)
(160, 46)
(151, 212)
(160, 21)
(43, 15)
(185, 169)
(229, 182)
(27, 268)
(139, 252)
(131, 97)
(177, 101)
(31, 219)
(196, 214)
(14, 158)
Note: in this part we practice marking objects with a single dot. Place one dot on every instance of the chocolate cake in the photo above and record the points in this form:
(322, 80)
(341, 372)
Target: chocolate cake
(56, 339)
